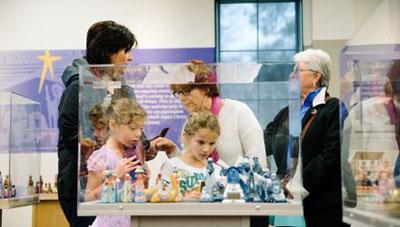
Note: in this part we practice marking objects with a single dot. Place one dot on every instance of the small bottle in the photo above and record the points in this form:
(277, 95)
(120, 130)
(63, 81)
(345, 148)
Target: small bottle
(6, 192)
(55, 184)
(37, 188)
(1, 186)
(40, 184)
(31, 187)
(13, 192)
(6, 189)
(44, 188)
(49, 189)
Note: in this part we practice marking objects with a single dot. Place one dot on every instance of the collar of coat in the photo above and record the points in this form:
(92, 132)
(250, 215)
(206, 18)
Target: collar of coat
(320, 98)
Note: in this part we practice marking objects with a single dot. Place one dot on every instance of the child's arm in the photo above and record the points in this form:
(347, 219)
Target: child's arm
(94, 186)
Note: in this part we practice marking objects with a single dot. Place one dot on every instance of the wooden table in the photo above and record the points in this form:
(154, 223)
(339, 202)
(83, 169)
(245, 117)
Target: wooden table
(48, 212)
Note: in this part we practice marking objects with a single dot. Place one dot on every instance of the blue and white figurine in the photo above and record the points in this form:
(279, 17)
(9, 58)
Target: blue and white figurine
(107, 194)
(233, 191)
(257, 166)
(206, 196)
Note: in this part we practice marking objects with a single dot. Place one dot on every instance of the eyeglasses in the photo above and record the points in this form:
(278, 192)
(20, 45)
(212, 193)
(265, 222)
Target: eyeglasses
(179, 94)
(296, 68)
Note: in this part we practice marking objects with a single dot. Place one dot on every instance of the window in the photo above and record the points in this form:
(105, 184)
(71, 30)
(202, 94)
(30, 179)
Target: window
(263, 31)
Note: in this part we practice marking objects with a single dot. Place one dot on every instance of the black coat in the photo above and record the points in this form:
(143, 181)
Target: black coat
(321, 166)
(68, 133)
(276, 136)
(68, 142)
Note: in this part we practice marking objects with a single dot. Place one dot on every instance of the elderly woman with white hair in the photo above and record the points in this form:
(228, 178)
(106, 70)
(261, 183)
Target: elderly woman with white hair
(320, 144)
(320, 141)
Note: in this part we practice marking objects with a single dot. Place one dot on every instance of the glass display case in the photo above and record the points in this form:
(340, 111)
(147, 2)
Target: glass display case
(370, 92)
(19, 150)
(123, 174)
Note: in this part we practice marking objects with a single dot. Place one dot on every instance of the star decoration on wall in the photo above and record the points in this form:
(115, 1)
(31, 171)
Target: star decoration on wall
(47, 65)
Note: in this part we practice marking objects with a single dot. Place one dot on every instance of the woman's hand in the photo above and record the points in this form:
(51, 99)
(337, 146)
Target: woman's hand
(162, 144)
(125, 166)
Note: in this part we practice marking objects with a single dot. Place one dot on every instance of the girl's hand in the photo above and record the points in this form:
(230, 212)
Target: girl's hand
(192, 196)
(126, 165)
(163, 144)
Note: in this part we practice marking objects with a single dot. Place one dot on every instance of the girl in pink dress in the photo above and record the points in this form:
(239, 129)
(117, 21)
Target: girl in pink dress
(125, 120)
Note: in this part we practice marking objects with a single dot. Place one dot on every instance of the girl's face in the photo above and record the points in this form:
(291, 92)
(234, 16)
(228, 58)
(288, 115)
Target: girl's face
(201, 144)
(128, 135)
(194, 100)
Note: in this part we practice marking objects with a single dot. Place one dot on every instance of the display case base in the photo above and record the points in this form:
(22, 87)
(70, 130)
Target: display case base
(192, 221)
(357, 217)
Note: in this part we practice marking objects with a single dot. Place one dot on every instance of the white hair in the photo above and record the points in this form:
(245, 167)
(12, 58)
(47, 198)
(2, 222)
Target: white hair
(316, 60)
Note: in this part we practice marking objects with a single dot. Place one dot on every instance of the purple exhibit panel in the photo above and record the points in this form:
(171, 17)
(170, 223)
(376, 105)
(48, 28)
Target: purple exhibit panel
(36, 74)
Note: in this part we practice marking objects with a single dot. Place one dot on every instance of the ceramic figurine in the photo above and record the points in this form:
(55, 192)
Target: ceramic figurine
(256, 166)
(174, 193)
(247, 184)
(107, 194)
(233, 191)
(168, 191)
(150, 191)
(126, 194)
(210, 167)
(161, 195)
(116, 198)
(111, 182)
(205, 195)
(277, 193)
(244, 166)
(262, 188)
(140, 197)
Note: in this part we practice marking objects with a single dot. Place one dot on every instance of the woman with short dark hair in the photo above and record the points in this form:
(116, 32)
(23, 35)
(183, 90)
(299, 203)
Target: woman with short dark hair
(107, 43)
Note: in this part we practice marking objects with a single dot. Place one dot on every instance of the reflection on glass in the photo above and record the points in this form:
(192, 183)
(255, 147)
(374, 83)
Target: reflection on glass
(276, 56)
(238, 32)
(240, 56)
(277, 26)
(21, 124)
(371, 137)
(168, 94)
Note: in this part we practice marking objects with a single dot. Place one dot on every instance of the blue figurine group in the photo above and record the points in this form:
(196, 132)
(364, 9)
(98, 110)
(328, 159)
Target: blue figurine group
(245, 182)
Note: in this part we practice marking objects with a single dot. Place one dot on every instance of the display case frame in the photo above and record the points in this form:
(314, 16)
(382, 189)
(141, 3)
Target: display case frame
(147, 80)
(19, 149)
(369, 147)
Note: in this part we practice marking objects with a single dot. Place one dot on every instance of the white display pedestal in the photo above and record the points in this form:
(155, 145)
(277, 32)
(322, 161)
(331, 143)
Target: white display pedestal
(190, 214)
